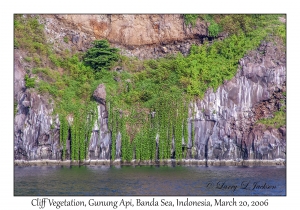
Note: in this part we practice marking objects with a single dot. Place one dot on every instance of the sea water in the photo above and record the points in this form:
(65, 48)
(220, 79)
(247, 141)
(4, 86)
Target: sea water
(149, 180)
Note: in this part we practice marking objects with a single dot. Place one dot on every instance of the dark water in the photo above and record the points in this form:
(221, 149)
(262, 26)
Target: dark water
(149, 180)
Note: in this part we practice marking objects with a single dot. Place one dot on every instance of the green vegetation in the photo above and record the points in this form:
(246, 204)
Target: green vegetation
(190, 19)
(66, 79)
(277, 121)
(238, 23)
(15, 108)
(147, 98)
(29, 82)
(72, 92)
(29, 35)
(101, 56)
(214, 29)
(28, 59)
(279, 117)
(66, 39)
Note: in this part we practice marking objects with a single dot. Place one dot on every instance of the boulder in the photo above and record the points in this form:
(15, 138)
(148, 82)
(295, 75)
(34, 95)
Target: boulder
(100, 94)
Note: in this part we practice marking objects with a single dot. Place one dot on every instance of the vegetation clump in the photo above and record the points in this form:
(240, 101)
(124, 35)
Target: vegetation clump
(190, 19)
(101, 56)
(29, 82)
(278, 120)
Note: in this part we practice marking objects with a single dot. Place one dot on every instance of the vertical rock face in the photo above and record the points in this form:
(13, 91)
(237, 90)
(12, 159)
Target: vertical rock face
(100, 142)
(36, 134)
(34, 137)
(224, 120)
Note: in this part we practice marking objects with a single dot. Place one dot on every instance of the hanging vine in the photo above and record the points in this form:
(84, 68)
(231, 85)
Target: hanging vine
(64, 132)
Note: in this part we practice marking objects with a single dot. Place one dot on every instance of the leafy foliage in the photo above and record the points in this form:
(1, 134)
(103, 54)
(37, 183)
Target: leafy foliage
(67, 79)
(214, 30)
(29, 82)
(277, 121)
(190, 19)
(15, 108)
(101, 56)
(29, 35)
(279, 117)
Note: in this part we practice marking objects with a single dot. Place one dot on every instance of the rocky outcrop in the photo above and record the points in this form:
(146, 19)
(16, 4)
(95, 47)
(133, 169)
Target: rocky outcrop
(100, 94)
(143, 36)
(36, 131)
(225, 120)
(100, 142)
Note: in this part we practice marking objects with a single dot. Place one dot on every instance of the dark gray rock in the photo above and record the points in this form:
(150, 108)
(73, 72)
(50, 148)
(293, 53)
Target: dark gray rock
(225, 120)
(75, 38)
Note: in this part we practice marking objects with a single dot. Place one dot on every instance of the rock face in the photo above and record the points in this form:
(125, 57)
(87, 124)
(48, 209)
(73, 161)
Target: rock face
(143, 36)
(100, 142)
(100, 94)
(36, 131)
(224, 122)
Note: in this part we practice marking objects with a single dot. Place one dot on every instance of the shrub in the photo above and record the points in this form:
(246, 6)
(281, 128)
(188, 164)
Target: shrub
(278, 120)
(214, 29)
(29, 82)
(29, 35)
(101, 56)
(37, 60)
(281, 32)
(190, 19)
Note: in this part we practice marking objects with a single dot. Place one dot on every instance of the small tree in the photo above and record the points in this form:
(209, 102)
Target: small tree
(101, 56)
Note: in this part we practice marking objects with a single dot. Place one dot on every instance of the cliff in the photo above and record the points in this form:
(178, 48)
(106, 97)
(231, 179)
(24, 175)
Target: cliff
(226, 120)
(224, 124)
(143, 36)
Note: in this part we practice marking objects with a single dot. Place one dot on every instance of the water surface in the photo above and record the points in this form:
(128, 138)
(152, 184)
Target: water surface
(149, 180)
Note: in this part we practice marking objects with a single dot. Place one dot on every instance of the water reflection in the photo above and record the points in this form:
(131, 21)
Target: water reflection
(148, 180)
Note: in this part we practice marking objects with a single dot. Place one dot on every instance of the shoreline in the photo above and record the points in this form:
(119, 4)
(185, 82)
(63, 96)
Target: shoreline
(168, 162)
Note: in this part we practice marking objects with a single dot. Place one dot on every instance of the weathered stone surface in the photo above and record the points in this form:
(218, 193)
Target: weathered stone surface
(100, 94)
(225, 120)
(143, 36)
(36, 133)
(100, 141)
(135, 30)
